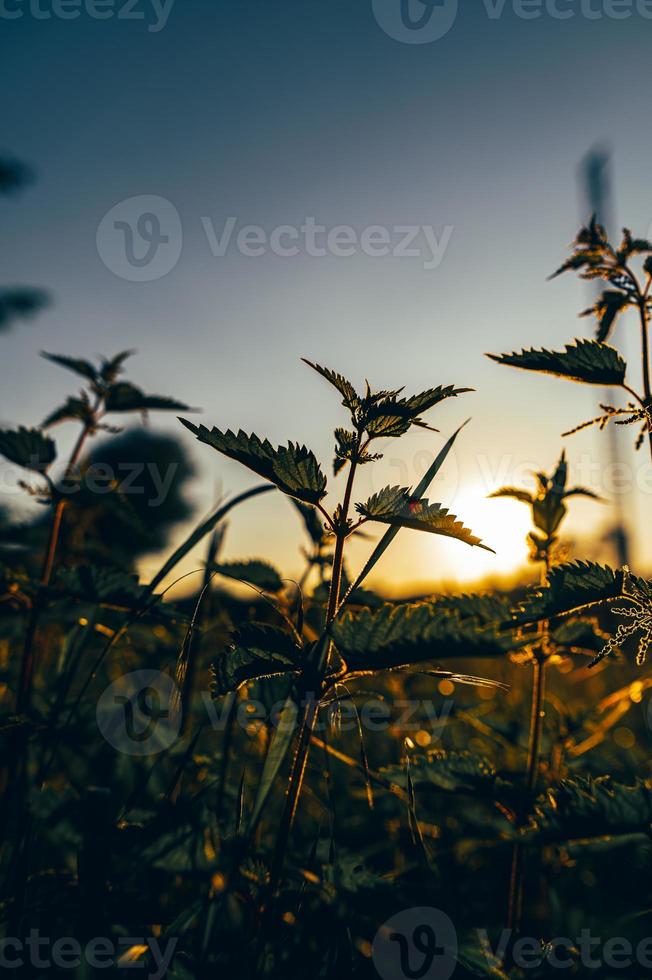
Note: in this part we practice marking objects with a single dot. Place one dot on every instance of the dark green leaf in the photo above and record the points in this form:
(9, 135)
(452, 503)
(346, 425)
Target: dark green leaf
(29, 448)
(125, 397)
(395, 506)
(75, 364)
(392, 531)
(585, 807)
(73, 409)
(345, 448)
(345, 388)
(570, 588)
(258, 651)
(400, 635)
(453, 772)
(292, 468)
(584, 360)
(259, 573)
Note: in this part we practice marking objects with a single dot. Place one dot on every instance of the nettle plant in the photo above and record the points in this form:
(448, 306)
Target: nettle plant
(103, 394)
(386, 638)
(548, 509)
(595, 361)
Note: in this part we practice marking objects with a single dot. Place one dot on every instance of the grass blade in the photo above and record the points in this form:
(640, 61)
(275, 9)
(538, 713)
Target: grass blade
(281, 742)
(391, 533)
(205, 528)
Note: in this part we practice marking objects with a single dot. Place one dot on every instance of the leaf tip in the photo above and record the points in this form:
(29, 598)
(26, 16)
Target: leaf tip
(189, 425)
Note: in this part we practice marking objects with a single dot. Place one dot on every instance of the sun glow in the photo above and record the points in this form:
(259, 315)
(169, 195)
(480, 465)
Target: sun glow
(501, 524)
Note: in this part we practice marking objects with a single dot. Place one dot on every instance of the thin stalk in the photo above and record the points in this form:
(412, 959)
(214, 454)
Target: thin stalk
(17, 775)
(515, 903)
(230, 705)
(27, 664)
(310, 698)
(536, 721)
(645, 362)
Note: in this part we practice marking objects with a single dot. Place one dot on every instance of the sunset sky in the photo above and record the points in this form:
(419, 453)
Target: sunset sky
(294, 112)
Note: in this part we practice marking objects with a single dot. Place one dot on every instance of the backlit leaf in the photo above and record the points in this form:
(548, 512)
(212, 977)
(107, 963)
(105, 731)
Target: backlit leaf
(29, 448)
(292, 468)
(584, 360)
(571, 587)
(395, 506)
(405, 634)
(350, 398)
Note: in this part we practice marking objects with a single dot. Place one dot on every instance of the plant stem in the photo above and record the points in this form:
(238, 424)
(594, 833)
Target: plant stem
(645, 362)
(536, 721)
(23, 695)
(309, 699)
(515, 904)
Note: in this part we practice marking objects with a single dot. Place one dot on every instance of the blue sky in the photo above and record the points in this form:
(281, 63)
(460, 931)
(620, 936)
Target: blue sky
(272, 114)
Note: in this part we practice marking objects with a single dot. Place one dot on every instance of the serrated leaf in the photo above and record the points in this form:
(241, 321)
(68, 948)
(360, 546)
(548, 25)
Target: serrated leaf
(571, 587)
(292, 468)
(483, 609)
(73, 409)
(395, 506)
(393, 636)
(29, 448)
(390, 416)
(258, 573)
(392, 531)
(426, 400)
(345, 388)
(125, 397)
(585, 807)
(585, 360)
(75, 364)
(258, 651)
(345, 448)
(444, 770)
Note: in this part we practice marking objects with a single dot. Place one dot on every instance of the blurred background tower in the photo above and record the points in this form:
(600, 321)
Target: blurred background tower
(595, 189)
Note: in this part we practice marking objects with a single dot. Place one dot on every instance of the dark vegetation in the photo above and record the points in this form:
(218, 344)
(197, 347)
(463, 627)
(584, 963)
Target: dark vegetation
(504, 776)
